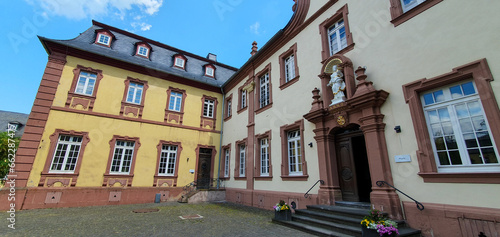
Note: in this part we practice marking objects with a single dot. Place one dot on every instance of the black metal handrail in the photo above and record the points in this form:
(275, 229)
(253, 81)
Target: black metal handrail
(306, 195)
(420, 206)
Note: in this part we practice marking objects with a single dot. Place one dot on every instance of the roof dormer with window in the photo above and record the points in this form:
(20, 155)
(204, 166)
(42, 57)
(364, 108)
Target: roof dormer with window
(209, 70)
(180, 61)
(143, 49)
(104, 37)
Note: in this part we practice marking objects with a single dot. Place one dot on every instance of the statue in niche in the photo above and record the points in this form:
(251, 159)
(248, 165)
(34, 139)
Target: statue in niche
(338, 85)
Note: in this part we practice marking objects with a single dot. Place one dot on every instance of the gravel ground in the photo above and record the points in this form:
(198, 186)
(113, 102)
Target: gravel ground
(219, 219)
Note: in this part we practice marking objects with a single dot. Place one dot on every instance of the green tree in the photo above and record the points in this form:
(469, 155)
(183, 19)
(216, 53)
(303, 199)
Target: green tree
(8, 147)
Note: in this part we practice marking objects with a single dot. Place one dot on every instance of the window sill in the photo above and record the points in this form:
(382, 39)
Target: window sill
(228, 118)
(264, 178)
(294, 177)
(224, 178)
(483, 178)
(289, 83)
(264, 108)
(241, 110)
(398, 20)
(82, 95)
(341, 52)
(240, 178)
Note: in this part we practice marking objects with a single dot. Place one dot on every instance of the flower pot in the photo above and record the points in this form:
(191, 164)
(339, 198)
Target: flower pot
(373, 233)
(284, 215)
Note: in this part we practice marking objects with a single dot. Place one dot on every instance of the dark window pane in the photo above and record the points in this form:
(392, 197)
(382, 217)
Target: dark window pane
(475, 156)
(484, 139)
(489, 156)
(451, 142)
(470, 140)
(443, 158)
(439, 141)
(455, 158)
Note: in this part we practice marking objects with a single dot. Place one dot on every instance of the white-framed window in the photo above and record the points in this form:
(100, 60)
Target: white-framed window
(264, 90)
(243, 99)
(134, 94)
(104, 39)
(86, 83)
(209, 71)
(122, 157)
(460, 135)
(337, 37)
(229, 112)
(168, 158)
(66, 154)
(175, 103)
(242, 160)
(208, 108)
(179, 62)
(143, 51)
(409, 4)
(294, 153)
(264, 157)
(289, 68)
(226, 163)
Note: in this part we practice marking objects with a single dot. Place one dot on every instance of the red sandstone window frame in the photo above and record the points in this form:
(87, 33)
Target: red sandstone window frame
(257, 173)
(242, 90)
(237, 159)
(172, 114)
(206, 67)
(285, 175)
(481, 75)
(263, 72)
(87, 101)
(291, 51)
(124, 179)
(342, 13)
(399, 17)
(228, 107)
(180, 56)
(48, 178)
(106, 33)
(127, 107)
(145, 45)
(172, 178)
(210, 121)
(223, 162)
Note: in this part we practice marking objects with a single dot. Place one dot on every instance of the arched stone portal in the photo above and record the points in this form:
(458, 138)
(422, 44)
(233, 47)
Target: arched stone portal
(360, 108)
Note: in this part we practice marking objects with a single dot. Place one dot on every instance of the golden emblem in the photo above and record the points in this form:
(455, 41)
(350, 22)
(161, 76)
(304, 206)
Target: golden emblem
(341, 120)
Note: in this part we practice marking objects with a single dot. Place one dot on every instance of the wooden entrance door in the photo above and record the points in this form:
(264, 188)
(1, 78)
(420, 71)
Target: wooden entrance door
(354, 173)
(204, 168)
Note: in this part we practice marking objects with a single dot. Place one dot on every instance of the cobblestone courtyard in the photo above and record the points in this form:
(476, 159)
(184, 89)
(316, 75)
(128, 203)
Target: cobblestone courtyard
(219, 219)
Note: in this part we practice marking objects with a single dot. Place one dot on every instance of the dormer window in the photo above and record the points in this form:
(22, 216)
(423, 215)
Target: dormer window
(104, 37)
(209, 70)
(180, 61)
(143, 49)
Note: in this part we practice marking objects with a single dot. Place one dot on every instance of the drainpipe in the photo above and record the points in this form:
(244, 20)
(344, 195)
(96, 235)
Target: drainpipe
(221, 134)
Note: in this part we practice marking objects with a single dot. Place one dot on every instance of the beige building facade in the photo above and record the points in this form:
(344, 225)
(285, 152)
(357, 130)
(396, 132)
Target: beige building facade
(415, 106)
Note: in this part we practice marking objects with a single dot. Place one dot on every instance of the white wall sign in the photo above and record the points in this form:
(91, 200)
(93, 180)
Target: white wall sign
(402, 158)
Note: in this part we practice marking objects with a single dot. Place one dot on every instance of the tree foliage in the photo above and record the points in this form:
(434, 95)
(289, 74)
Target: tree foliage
(8, 147)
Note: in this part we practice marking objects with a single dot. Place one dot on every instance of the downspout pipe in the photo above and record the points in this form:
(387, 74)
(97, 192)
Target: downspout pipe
(221, 135)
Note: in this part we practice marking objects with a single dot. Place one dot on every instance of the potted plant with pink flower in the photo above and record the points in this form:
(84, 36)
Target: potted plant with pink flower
(376, 224)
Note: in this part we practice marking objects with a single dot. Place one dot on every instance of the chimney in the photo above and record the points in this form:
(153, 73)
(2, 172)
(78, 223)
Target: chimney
(254, 48)
(212, 57)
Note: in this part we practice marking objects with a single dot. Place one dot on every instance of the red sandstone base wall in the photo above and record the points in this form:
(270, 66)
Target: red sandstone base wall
(450, 220)
(35, 198)
(267, 199)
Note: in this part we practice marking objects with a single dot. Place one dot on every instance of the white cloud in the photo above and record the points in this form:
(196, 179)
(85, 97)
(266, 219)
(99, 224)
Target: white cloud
(142, 25)
(81, 9)
(255, 28)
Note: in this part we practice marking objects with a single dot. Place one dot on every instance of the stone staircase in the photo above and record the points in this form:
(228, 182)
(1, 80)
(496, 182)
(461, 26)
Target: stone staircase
(341, 220)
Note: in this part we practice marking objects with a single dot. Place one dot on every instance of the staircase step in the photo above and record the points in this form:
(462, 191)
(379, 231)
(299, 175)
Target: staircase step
(333, 226)
(360, 205)
(340, 210)
(311, 229)
(325, 216)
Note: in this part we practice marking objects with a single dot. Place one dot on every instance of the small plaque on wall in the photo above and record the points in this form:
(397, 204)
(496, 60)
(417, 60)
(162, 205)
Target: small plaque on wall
(402, 158)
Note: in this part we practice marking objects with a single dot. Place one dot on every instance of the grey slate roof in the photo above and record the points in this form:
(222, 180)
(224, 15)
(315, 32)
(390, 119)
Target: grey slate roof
(7, 117)
(123, 48)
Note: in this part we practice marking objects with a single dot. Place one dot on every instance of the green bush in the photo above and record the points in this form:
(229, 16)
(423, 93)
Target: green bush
(8, 147)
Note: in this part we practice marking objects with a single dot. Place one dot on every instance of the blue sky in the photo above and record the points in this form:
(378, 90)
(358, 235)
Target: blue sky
(226, 28)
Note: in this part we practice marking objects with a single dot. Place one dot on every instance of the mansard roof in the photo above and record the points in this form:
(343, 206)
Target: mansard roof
(123, 49)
